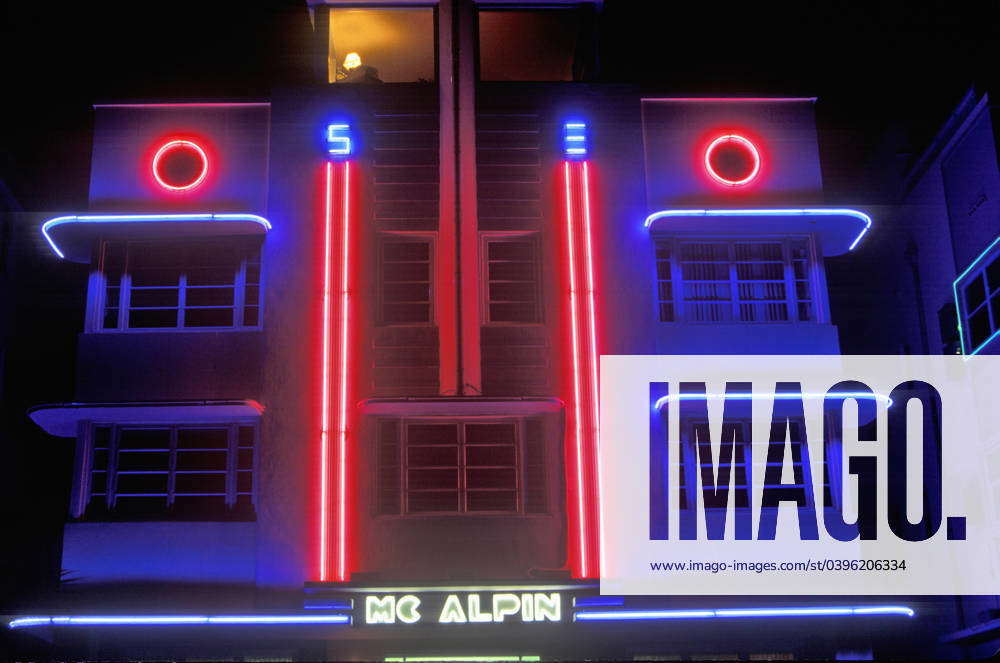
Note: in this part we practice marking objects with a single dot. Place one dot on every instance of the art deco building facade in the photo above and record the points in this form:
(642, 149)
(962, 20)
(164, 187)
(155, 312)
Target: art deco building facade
(337, 387)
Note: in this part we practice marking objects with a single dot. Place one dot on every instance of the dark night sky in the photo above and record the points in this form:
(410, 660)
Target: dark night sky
(873, 64)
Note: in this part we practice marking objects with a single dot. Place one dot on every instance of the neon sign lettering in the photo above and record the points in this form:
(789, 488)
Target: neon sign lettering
(472, 608)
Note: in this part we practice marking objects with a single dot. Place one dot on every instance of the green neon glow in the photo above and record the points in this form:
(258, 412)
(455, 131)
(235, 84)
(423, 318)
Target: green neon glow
(505, 605)
(475, 614)
(532, 607)
(548, 607)
(452, 612)
(380, 611)
(406, 609)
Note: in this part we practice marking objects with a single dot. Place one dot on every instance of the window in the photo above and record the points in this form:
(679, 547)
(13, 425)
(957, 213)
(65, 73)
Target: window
(179, 285)
(981, 304)
(433, 466)
(734, 280)
(196, 472)
(369, 45)
(512, 283)
(405, 282)
(534, 45)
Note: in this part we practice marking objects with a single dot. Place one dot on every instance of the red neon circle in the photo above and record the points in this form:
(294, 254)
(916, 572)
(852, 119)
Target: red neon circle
(736, 156)
(172, 156)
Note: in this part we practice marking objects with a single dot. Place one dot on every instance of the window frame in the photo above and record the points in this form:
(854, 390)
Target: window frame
(97, 294)
(585, 38)
(814, 270)
(387, 237)
(487, 238)
(83, 495)
(325, 35)
(401, 465)
(988, 258)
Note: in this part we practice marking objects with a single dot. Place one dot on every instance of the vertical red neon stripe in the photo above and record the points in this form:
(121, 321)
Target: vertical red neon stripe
(333, 549)
(324, 429)
(583, 344)
(577, 415)
(342, 419)
(592, 358)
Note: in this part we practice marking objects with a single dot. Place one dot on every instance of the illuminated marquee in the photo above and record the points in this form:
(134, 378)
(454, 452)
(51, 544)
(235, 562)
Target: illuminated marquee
(463, 608)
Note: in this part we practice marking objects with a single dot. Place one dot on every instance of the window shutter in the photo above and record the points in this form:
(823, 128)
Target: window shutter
(389, 469)
(535, 494)
(405, 155)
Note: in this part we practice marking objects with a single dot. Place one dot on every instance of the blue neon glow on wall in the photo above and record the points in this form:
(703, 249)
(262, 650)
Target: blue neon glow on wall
(332, 604)
(830, 211)
(144, 218)
(779, 396)
(727, 613)
(175, 620)
(575, 143)
(338, 140)
(960, 310)
(598, 601)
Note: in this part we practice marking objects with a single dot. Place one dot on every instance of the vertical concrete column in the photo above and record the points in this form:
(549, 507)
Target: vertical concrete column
(446, 252)
(468, 217)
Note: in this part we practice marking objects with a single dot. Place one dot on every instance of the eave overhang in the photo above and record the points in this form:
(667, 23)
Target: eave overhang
(839, 230)
(72, 237)
(63, 419)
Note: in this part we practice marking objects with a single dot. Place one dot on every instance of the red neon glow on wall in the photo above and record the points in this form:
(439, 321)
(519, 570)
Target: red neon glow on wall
(583, 413)
(742, 148)
(335, 415)
(179, 149)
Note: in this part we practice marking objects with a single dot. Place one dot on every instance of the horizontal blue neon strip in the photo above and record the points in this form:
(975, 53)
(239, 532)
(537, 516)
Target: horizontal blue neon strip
(596, 601)
(724, 613)
(782, 396)
(829, 211)
(330, 605)
(144, 218)
(176, 620)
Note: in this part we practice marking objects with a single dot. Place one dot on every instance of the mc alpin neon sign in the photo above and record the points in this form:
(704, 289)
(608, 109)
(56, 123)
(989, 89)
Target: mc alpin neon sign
(475, 609)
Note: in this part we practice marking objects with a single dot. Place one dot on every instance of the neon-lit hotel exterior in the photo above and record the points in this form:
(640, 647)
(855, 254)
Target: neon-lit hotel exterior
(337, 387)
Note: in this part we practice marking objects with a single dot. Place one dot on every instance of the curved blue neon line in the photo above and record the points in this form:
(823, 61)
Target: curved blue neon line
(959, 309)
(140, 218)
(830, 211)
(663, 400)
(836, 611)
(168, 620)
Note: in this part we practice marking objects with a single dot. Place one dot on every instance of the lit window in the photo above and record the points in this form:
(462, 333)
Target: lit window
(734, 280)
(980, 304)
(188, 472)
(512, 283)
(534, 45)
(449, 467)
(172, 285)
(381, 45)
(405, 282)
